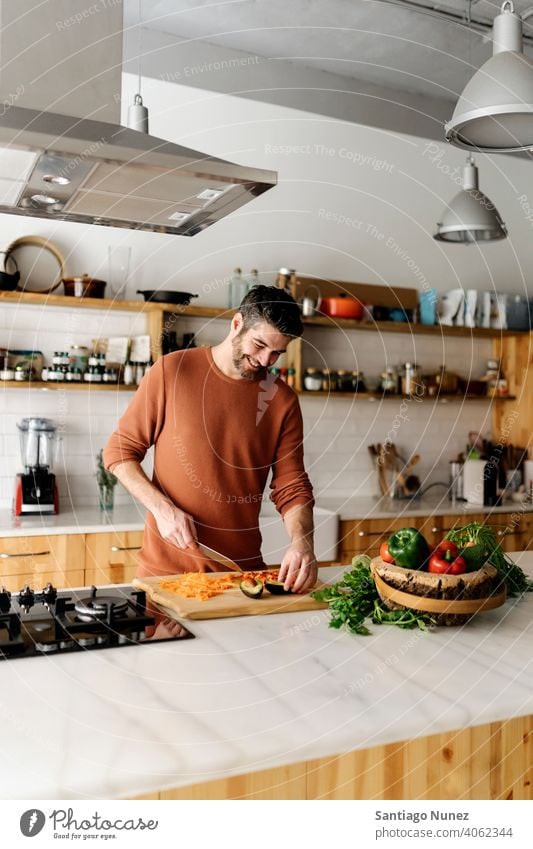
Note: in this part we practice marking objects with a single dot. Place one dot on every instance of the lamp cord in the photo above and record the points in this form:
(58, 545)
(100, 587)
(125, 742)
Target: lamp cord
(139, 47)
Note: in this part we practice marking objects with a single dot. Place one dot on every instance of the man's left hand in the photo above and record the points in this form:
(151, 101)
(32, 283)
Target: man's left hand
(299, 569)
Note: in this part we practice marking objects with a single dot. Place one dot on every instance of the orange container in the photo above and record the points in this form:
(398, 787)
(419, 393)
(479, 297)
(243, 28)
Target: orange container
(345, 306)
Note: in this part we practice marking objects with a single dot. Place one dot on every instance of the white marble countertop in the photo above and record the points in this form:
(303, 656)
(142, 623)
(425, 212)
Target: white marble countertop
(82, 520)
(374, 507)
(248, 694)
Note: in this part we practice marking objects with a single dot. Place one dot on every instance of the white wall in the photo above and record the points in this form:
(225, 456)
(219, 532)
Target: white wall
(387, 182)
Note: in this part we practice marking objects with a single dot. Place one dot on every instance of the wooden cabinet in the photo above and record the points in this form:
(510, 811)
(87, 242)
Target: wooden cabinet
(111, 558)
(35, 560)
(69, 560)
(364, 536)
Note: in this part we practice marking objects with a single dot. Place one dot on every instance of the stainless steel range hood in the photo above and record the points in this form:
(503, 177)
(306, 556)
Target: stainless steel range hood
(70, 169)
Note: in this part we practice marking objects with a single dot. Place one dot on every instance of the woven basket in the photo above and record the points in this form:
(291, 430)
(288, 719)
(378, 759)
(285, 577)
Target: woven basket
(450, 599)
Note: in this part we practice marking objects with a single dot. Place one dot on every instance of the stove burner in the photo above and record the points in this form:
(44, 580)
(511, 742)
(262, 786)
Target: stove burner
(36, 623)
(100, 607)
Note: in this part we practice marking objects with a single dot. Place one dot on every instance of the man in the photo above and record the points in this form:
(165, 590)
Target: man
(220, 423)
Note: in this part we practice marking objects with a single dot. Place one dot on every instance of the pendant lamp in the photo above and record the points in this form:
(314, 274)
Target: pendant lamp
(470, 217)
(495, 111)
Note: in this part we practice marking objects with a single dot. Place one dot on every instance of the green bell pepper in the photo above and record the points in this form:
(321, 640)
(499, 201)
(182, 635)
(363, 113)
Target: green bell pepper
(409, 548)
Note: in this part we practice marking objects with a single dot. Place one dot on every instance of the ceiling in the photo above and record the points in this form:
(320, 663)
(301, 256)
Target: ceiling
(401, 44)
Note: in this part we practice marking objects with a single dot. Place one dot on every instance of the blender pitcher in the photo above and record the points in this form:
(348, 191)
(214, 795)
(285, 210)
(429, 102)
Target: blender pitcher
(35, 488)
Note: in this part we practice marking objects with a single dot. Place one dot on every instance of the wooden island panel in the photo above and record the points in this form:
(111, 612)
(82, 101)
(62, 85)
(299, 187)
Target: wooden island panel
(492, 761)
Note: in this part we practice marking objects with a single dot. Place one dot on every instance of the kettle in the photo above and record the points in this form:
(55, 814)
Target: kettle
(308, 304)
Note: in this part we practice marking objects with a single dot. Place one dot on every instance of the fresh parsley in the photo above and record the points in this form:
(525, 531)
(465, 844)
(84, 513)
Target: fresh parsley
(355, 599)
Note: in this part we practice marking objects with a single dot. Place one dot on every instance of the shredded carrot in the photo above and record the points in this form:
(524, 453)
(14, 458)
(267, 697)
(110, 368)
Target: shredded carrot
(203, 586)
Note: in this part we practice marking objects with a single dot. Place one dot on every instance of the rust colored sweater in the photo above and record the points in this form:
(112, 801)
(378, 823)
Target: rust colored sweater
(216, 440)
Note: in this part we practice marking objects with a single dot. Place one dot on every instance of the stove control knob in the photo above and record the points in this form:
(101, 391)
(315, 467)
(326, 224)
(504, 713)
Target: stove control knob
(49, 594)
(5, 600)
(26, 598)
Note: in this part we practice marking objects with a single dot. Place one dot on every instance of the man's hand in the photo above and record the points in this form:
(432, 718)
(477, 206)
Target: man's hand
(299, 569)
(176, 526)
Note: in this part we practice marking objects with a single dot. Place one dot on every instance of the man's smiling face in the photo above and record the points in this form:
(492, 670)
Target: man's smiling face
(256, 349)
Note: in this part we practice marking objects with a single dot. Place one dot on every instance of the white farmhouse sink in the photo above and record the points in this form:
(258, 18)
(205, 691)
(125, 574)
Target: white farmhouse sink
(276, 540)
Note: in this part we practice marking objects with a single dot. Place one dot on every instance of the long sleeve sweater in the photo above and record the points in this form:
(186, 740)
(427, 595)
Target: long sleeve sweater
(215, 441)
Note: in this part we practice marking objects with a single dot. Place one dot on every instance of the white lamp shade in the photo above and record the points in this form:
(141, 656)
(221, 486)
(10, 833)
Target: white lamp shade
(470, 217)
(495, 110)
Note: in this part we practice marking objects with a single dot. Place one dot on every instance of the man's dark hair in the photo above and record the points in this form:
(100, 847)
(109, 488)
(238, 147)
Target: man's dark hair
(277, 306)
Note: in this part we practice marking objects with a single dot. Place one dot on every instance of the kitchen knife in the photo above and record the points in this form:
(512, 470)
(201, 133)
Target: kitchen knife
(211, 554)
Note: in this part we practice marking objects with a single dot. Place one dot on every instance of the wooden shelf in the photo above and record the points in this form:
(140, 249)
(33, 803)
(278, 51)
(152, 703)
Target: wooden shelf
(407, 327)
(223, 312)
(379, 396)
(104, 304)
(70, 387)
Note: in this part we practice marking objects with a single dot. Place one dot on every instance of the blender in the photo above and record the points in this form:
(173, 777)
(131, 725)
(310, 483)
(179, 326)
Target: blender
(35, 488)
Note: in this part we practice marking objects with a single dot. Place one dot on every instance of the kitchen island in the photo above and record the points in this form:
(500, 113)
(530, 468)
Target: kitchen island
(280, 707)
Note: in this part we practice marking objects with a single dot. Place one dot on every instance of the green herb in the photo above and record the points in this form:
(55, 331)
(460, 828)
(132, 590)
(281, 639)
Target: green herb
(355, 599)
(516, 580)
(103, 476)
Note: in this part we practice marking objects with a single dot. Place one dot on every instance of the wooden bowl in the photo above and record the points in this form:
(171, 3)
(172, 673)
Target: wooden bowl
(450, 599)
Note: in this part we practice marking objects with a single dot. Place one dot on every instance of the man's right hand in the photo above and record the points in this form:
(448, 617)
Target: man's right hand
(176, 526)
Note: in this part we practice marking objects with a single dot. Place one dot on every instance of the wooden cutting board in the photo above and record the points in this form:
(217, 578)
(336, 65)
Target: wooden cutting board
(229, 603)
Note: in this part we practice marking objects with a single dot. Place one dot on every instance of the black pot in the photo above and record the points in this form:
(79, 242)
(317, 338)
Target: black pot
(165, 296)
(9, 282)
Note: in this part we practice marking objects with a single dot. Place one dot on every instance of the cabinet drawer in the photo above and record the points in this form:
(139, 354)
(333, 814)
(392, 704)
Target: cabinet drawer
(38, 580)
(110, 574)
(365, 536)
(38, 555)
(111, 558)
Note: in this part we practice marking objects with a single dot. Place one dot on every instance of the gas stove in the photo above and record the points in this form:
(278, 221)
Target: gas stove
(34, 624)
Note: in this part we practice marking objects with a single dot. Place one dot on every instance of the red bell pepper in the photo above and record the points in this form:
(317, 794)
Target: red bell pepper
(445, 560)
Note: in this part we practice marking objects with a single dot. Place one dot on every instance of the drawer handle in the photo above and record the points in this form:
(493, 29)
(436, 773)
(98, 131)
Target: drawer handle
(374, 533)
(4, 554)
(436, 530)
(125, 548)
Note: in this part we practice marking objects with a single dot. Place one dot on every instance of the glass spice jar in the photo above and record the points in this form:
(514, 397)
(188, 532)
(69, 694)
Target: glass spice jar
(312, 380)
(358, 381)
(344, 381)
(329, 380)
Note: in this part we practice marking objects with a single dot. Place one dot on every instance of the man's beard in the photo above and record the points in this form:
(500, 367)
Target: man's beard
(242, 366)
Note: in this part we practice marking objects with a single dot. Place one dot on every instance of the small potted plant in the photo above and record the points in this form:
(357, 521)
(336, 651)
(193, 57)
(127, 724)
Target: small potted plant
(106, 484)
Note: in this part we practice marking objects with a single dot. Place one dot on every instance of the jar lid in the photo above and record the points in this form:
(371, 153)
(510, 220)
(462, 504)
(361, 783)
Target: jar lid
(311, 370)
(342, 372)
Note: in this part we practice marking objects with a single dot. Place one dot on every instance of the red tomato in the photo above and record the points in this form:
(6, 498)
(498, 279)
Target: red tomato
(458, 566)
(447, 545)
(385, 554)
(438, 566)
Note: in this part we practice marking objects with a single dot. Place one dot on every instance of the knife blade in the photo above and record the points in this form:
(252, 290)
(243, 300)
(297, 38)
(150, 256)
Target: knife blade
(212, 554)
